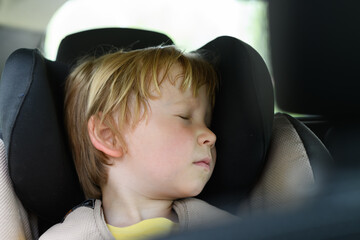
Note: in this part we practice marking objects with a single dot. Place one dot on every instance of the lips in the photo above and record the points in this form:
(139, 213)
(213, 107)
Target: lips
(205, 163)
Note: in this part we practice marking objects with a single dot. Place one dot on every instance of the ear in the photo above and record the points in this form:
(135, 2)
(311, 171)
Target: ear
(103, 138)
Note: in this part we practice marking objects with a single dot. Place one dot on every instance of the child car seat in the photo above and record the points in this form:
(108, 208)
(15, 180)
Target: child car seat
(279, 184)
(39, 162)
(99, 41)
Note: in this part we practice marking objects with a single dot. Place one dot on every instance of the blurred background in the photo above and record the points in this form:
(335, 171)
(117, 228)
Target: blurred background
(43, 24)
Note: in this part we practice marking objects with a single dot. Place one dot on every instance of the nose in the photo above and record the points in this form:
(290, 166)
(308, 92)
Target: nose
(207, 137)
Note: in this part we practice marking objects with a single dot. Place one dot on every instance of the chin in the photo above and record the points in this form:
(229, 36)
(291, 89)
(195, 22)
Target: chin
(191, 192)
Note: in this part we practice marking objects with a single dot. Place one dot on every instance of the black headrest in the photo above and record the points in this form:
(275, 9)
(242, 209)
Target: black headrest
(31, 107)
(99, 41)
(242, 118)
(40, 165)
(315, 51)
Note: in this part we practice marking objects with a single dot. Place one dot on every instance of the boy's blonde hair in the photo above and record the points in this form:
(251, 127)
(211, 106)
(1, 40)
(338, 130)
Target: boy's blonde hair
(104, 86)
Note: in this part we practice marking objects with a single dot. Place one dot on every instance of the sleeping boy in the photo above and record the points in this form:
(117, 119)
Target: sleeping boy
(138, 124)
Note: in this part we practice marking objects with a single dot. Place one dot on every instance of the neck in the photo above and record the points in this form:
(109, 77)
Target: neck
(124, 207)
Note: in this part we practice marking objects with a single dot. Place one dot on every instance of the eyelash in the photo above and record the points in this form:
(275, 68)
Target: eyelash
(184, 117)
(189, 118)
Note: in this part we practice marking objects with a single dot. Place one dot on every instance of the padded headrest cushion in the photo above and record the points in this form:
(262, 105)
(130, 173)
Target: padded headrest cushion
(99, 41)
(31, 104)
(242, 118)
(316, 58)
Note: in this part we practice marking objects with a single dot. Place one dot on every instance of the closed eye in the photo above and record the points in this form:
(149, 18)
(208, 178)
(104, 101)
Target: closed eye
(184, 117)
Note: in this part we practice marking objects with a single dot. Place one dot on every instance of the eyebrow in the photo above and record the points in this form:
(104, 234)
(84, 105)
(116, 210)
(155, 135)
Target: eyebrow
(183, 101)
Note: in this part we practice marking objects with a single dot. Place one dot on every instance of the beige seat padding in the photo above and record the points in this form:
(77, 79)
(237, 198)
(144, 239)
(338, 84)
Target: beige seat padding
(288, 177)
(14, 220)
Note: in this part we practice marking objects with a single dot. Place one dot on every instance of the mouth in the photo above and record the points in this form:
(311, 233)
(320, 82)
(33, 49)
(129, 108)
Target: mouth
(204, 163)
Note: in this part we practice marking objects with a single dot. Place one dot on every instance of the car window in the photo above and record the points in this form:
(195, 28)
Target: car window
(189, 23)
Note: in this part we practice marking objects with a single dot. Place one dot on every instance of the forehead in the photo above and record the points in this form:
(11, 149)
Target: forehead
(171, 89)
(172, 83)
(174, 75)
(173, 96)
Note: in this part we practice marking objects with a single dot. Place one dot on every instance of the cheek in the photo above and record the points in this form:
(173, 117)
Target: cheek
(174, 145)
(162, 144)
(170, 133)
(214, 154)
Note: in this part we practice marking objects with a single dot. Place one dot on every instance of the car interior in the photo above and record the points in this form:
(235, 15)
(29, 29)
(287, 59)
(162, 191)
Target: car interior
(288, 174)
